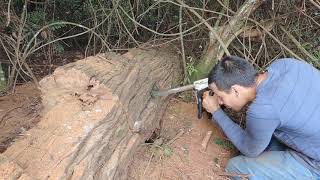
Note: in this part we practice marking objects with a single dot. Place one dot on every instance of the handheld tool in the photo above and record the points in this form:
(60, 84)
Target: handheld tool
(200, 86)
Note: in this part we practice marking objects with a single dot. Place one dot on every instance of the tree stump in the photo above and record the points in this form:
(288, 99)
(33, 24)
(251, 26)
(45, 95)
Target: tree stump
(96, 112)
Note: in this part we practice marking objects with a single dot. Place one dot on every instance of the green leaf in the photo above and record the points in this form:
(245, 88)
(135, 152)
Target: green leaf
(227, 145)
(37, 17)
(58, 48)
(167, 151)
(218, 141)
(56, 27)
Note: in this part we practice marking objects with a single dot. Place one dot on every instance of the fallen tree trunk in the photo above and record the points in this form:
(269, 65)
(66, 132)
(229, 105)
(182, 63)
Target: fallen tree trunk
(96, 112)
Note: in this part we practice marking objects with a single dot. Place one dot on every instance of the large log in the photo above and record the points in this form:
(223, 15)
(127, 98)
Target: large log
(96, 112)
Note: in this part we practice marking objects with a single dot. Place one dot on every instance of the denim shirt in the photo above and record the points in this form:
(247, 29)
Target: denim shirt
(287, 105)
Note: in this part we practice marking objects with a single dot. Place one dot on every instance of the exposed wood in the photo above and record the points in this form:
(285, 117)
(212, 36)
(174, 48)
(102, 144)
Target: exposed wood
(205, 141)
(91, 106)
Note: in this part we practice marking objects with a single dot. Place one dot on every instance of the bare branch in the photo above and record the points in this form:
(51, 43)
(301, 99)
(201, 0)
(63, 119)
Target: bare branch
(182, 46)
(125, 27)
(212, 31)
(317, 4)
(299, 46)
(276, 39)
(157, 33)
(31, 50)
(8, 15)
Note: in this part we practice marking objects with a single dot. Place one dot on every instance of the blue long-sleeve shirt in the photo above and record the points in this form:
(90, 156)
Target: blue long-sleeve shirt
(287, 105)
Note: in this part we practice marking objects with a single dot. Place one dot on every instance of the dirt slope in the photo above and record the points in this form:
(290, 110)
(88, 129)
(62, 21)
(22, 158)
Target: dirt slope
(183, 158)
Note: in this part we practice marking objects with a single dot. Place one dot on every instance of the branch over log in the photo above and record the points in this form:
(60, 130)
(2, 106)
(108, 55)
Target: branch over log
(227, 33)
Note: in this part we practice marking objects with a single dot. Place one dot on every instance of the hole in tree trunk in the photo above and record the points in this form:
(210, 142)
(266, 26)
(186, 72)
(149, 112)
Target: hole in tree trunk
(153, 137)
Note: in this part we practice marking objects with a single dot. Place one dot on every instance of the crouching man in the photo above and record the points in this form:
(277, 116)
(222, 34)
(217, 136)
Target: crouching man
(281, 139)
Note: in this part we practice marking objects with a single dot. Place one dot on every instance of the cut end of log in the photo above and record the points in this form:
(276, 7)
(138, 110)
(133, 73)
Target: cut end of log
(74, 103)
(66, 84)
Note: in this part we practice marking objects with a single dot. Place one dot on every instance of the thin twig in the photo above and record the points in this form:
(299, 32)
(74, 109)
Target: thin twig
(234, 174)
(195, 8)
(176, 137)
(226, 7)
(32, 50)
(157, 33)
(91, 34)
(182, 46)
(205, 141)
(216, 24)
(299, 46)
(27, 51)
(276, 39)
(8, 16)
(19, 58)
(315, 4)
(125, 27)
(145, 170)
(212, 31)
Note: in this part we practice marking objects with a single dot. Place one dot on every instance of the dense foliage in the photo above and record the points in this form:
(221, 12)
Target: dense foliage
(34, 28)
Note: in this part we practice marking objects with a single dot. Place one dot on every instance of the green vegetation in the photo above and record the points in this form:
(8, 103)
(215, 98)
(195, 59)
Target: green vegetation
(227, 145)
(49, 28)
(167, 151)
(191, 69)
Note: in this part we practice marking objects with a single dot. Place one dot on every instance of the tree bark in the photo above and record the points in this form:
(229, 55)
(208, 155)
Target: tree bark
(96, 112)
(3, 81)
(227, 33)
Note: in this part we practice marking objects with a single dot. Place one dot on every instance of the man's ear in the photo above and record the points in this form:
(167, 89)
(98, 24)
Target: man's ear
(212, 86)
(236, 89)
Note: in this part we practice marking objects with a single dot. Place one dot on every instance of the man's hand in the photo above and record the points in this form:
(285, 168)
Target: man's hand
(210, 103)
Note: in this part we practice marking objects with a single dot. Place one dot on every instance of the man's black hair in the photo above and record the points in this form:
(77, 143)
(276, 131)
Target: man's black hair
(232, 70)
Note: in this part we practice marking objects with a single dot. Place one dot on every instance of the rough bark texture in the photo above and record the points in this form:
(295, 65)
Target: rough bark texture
(227, 33)
(92, 109)
(3, 80)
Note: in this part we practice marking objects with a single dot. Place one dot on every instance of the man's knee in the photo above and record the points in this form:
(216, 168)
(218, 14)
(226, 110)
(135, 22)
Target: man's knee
(234, 165)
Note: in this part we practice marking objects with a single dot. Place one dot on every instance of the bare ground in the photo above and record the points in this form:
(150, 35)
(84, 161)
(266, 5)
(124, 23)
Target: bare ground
(18, 113)
(174, 154)
(183, 157)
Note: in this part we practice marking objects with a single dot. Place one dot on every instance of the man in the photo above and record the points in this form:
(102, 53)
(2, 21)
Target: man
(284, 106)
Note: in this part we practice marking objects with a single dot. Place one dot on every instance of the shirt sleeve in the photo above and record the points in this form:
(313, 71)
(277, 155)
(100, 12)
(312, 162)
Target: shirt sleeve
(261, 122)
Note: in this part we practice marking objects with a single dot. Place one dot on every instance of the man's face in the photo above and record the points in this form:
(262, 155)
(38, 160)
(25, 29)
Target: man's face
(234, 98)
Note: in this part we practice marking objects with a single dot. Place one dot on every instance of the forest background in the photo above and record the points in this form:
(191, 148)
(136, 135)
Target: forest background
(34, 33)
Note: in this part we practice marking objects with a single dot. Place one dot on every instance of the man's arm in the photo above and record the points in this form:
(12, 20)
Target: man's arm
(260, 124)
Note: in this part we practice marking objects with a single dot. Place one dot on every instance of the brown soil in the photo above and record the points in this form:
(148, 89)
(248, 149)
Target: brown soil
(183, 158)
(163, 159)
(18, 113)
